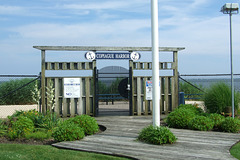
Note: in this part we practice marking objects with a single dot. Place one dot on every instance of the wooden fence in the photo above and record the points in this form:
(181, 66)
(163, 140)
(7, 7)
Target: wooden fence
(71, 106)
(169, 88)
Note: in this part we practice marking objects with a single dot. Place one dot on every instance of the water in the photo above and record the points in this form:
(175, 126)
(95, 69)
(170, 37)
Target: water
(207, 82)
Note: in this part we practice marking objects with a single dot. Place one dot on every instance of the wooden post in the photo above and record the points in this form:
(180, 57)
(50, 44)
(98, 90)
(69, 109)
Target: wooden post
(144, 95)
(43, 89)
(166, 90)
(87, 85)
(72, 107)
(56, 109)
(139, 101)
(80, 103)
(175, 81)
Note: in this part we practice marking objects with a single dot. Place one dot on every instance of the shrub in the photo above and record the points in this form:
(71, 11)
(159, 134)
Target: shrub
(68, 131)
(230, 125)
(194, 108)
(88, 123)
(217, 119)
(201, 123)
(218, 97)
(50, 120)
(3, 128)
(157, 135)
(180, 118)
(21, 127)
(22, 96)
(34, 115)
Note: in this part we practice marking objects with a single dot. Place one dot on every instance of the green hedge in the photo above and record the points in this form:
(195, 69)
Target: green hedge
(20, 97)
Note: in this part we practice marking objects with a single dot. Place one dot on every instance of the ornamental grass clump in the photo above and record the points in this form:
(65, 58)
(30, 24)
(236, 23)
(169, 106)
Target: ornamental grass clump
(218, 98)
(201, 123)
(230, 125)
(157, 135)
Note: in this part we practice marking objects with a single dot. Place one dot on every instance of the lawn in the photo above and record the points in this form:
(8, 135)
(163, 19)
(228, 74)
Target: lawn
(235, 150)
(46, 152)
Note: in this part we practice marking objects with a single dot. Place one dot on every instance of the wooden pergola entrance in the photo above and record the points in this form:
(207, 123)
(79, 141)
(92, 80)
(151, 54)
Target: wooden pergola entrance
(85, 104)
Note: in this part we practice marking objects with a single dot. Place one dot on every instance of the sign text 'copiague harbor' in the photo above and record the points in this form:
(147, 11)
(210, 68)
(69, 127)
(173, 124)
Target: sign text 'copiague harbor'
(114, 56)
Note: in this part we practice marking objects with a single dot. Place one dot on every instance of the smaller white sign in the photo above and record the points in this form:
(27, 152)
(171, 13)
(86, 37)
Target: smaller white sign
(149, 90)
(72, 88)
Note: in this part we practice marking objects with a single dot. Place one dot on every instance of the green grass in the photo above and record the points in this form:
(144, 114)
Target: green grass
(235, 150)
(46, 152)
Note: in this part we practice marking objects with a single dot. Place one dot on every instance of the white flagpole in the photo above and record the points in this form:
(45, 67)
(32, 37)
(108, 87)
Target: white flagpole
(155, 63)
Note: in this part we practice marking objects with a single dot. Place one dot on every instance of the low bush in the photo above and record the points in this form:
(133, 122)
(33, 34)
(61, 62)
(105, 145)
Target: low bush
(68, 131)
(88, 123)
(194, 108)
(217, 119)
(230, 125)
(20, 127)
(3, 128)
(201, 123)
(180, 118)
(157, 135)
(50, 121)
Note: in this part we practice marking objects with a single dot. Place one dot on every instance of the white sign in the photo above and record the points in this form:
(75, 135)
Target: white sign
(149, 89)
(72, 88)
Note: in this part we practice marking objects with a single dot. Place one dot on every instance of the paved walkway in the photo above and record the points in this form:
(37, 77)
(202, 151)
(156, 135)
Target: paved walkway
(122, 131)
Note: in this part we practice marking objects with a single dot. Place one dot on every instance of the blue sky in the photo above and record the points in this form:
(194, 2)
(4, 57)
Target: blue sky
(197, 25)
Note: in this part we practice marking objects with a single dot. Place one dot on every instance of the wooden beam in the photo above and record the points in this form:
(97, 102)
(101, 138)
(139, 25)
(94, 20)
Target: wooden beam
(99, 48)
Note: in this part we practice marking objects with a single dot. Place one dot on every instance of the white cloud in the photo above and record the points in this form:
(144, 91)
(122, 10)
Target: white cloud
(11, 10)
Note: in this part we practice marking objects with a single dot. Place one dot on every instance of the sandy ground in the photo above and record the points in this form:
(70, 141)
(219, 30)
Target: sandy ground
(10, 109)
(120, 107)
(200, 104)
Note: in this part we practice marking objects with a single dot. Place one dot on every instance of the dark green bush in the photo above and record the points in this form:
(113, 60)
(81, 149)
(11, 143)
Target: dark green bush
(218, 97)
(180, 118)
(194, 108)
(20, 127)
(157, 135)
(68, 131)
(88, 123)
(230, 125)
(201, 123)
(20, 97)
(217, 119)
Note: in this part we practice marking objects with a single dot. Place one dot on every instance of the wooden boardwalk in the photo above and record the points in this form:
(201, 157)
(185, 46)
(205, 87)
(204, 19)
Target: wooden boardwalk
(120, 139)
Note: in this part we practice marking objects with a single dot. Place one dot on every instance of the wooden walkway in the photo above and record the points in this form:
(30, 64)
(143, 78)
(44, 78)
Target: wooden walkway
(120, 139)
